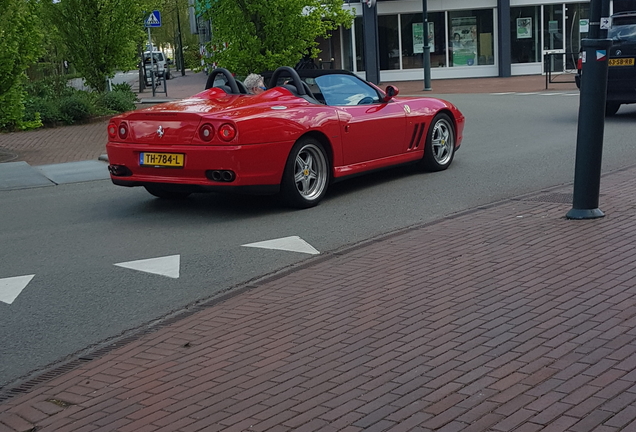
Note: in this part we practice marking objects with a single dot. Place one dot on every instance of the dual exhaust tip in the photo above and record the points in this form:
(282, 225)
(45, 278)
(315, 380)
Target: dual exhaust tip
(119, 170)
(225, 176)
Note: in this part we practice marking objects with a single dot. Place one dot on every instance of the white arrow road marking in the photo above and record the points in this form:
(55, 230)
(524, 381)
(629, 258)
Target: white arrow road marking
(292, 244)
(163, 266)
(10, 288)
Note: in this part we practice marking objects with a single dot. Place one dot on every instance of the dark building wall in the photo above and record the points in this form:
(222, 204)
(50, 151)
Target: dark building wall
(624, 5)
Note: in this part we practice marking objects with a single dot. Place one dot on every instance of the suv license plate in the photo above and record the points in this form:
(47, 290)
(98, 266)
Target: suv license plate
(170, 160)
(621, 62)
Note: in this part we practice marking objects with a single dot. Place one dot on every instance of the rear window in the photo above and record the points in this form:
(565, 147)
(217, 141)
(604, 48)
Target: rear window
(156, 57)
(623, 28)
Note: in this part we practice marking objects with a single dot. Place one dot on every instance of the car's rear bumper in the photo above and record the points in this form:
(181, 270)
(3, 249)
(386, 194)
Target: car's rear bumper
(623, 91)
(198, 188)
(255, 168)
(618, 91)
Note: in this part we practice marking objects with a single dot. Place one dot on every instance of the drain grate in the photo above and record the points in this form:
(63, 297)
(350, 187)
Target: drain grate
(28, 385)
(6, 394)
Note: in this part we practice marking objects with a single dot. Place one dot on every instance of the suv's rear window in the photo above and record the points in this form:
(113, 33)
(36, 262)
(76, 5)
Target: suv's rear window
(623, 28)
(157, 57)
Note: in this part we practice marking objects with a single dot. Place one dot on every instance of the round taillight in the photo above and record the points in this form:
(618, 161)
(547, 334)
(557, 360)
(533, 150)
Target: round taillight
(112, 130)
(227, 132)
(123, 130)
(206, 132)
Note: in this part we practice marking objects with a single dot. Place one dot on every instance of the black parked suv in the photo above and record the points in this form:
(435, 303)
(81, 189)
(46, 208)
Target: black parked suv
(621, 78)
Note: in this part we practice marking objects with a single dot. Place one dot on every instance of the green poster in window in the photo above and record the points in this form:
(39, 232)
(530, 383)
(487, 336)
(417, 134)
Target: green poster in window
(418, 38)
(524, 28)
(464, 41)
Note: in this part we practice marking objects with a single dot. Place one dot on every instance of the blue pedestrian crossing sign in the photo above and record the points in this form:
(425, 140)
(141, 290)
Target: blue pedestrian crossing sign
(153, 20)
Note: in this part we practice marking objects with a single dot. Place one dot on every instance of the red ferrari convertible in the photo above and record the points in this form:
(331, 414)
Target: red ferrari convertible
(310, 128)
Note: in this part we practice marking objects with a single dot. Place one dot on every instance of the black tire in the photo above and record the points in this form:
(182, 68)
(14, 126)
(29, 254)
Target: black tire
(165, 193)
(611, 108)
(439, 150)
(307, 174)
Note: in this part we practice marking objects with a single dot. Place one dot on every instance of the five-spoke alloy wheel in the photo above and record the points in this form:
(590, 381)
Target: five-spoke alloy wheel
(440, 144)
(306, 175)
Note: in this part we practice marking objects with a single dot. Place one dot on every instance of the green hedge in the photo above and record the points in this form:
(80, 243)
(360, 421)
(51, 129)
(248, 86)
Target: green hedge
(54, 103)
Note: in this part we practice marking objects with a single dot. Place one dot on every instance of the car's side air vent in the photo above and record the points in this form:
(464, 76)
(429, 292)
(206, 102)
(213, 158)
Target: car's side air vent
(416, 138)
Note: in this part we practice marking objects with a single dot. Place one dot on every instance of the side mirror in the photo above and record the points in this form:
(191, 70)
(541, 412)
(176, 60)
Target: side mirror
(169, 61)
(391, 92)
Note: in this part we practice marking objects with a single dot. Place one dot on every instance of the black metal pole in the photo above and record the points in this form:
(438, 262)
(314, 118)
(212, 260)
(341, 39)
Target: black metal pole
(181, 60)
(426, 55)
(142, 68)
(370, 34)
(504, 38)
(591, 123)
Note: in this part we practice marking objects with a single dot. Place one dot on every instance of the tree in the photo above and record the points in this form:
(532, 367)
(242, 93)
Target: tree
(19, 48)
(168, 34)
(258, 35)
(100, 35)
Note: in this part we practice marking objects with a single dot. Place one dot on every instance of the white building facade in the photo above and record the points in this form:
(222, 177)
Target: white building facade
(466, 38)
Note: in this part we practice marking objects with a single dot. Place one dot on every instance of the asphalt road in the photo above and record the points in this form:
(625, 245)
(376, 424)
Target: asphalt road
(70, 236)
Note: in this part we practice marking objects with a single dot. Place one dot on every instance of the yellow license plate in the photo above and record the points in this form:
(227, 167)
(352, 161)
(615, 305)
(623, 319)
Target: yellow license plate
(170, 160)
(621, 62)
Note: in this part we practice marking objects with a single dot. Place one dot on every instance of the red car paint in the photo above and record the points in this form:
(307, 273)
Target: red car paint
(358, 138)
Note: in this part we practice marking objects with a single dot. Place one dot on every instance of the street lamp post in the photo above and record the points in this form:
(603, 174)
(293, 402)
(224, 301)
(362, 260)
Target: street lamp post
(370, 31)
(181, 59)
(591, 122)
(427, 48)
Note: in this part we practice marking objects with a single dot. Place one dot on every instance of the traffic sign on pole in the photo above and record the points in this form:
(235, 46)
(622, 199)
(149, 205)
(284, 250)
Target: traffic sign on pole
(153, 20)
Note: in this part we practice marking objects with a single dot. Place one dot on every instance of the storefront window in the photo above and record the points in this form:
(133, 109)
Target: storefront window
(553, 27)
(471, 35)
(553, 38)
(577, 20)
(389, 44)
(347, 48)
(413, 40)
(525, 34)
(437, 39)
(359, 44)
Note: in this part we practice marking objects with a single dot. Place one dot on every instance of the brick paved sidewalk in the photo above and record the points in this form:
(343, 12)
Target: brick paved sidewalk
(88, 142)
(504, 318)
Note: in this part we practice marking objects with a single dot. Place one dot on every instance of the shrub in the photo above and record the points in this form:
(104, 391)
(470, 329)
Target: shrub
(76, 108)
(47, 110)
(11, 108)
(119, 100)
(54, 86)
(123, 87)
(51, 102)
